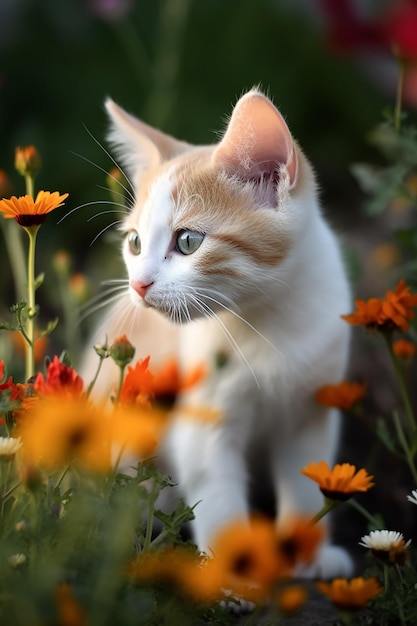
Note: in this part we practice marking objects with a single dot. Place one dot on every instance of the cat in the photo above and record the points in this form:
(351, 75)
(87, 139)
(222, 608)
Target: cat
(230, 260)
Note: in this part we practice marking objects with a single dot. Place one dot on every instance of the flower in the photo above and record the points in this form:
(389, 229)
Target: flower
(351, 594)
(8, 447)
(122, 351)
(413, 497)
(60, 380)
(247, 557)
(400, 29)
(387, 545)
(142, 387)
(290, 599)
(70, 613)
(197, 576)
(62, 430)
(297, 541)
(27, 161)
(342, 396)
(5, 184)
(387, 314)
(404, 349)
(16, 560)
(339, 483)
(29, 212)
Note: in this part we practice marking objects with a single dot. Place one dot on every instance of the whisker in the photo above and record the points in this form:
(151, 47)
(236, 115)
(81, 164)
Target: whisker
(93, 217)
(103, 230)
(115, 163)
(206, 309)
(98, 306)
(91, 203)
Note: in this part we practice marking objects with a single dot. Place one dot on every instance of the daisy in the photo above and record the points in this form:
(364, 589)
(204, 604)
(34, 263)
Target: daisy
(8, 447)
(413, 497)
(387, 545)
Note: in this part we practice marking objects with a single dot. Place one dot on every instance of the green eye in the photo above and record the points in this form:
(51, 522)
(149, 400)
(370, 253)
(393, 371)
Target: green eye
(133, 241)
(188, 241)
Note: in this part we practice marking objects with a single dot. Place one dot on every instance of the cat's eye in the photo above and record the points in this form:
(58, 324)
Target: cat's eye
(188, 241)
(133, 241)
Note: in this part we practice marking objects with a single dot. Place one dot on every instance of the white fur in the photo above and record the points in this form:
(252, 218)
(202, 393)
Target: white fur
(284, 339)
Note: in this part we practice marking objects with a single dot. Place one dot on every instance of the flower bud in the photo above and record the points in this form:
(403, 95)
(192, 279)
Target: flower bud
(79, 288)
(122, 351)
(5, 185)
(61, 262)
(27, 161)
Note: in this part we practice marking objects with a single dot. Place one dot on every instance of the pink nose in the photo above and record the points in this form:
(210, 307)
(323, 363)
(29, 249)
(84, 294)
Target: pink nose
(140, 288)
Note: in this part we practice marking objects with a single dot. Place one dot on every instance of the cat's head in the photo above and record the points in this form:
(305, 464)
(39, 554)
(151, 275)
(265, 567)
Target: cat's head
(212, 226)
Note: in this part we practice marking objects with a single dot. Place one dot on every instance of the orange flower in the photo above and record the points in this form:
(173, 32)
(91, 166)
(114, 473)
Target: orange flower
(196, 576)
(60, 380)
(393, 311)
(290, 599)
(247, 556)
(342, 396)
(70, 613)
(143, 387)
(27, 161)
(29, 212)
(297, 541)
(62, 430)
(350, 594)
(404, 349)
(339, 483)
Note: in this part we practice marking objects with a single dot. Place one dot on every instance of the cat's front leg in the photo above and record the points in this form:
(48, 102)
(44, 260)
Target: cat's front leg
(211, 471)
(315, 438)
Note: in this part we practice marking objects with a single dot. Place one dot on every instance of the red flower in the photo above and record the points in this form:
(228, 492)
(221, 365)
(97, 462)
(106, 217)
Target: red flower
(400, 29)
(60, 379)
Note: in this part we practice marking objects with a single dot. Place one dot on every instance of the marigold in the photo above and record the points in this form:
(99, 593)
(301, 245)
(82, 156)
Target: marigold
(404, 349)
(297, 541)
(290, 599)
(62, 430)
(342, 396)
(351, 594)
(389, 313)
(339, 483)
(247, 555)
(29, 212)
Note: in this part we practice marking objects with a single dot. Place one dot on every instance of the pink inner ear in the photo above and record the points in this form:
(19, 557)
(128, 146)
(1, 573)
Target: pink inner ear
(257, 141)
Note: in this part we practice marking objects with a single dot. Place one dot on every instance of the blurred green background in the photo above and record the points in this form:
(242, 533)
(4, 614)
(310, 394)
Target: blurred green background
(180, 65)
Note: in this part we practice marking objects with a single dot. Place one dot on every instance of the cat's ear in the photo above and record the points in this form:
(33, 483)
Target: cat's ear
(257, 142)
(138, 145)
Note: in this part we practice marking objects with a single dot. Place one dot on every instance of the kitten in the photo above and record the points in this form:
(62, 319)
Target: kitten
(229, 258)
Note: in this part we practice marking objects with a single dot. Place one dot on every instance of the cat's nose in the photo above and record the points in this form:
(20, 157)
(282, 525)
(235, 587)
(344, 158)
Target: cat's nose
(140, 288)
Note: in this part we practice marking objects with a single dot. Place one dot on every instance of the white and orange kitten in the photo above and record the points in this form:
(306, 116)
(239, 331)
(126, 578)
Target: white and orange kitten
(230, 259)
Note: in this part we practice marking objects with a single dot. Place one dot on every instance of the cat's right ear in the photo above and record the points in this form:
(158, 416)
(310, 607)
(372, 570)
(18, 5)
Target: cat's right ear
(139, 146)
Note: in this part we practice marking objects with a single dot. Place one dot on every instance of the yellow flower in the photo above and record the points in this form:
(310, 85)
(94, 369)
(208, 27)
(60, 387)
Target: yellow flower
(62, 430)
(339, 483)
(29, 212)
(350, 594)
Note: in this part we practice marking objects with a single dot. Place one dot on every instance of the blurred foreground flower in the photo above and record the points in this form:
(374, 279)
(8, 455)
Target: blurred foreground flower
(339, 483)
(387, 545)
(389, 313)
(342, 396)
(350, 594)
(404, 349)
(29, 212)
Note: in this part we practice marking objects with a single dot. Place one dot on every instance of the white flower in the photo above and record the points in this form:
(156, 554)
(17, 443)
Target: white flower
(413, 497)
(9, 446)
(384, 540)
(15, 560)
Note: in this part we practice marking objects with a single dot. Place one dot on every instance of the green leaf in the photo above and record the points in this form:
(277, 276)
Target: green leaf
(49, 328)
(39, 280)
(385, 436)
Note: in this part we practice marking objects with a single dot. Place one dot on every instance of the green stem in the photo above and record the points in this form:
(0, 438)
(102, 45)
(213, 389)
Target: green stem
(328, 506)
(32, 232)
(121, 377)
(30, 185)
(93, 382)
(399, 96)
(403, 441)
(353, 503)
(402, 386)
(149, 523)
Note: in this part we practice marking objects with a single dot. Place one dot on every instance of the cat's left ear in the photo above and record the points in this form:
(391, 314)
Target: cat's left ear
(257, 142)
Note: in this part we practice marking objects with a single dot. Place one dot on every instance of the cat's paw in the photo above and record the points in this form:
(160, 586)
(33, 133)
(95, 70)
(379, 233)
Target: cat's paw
(330, 562)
